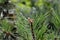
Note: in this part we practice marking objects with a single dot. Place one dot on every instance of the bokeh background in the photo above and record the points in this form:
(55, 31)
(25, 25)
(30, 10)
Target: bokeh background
(45, 15)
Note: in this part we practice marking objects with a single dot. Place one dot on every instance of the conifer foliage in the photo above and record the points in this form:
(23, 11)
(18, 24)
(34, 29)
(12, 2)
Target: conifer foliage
(29, 19)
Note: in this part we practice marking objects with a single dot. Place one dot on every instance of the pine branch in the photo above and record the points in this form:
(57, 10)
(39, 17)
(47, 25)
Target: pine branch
(32, 30)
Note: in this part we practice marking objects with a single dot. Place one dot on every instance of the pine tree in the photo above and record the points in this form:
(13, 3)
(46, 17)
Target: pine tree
(8, 12)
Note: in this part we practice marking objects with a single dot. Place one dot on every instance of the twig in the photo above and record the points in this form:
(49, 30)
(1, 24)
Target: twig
(32, 30)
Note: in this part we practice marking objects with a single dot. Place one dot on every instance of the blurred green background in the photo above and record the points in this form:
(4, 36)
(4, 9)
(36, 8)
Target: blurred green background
(46, 16)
